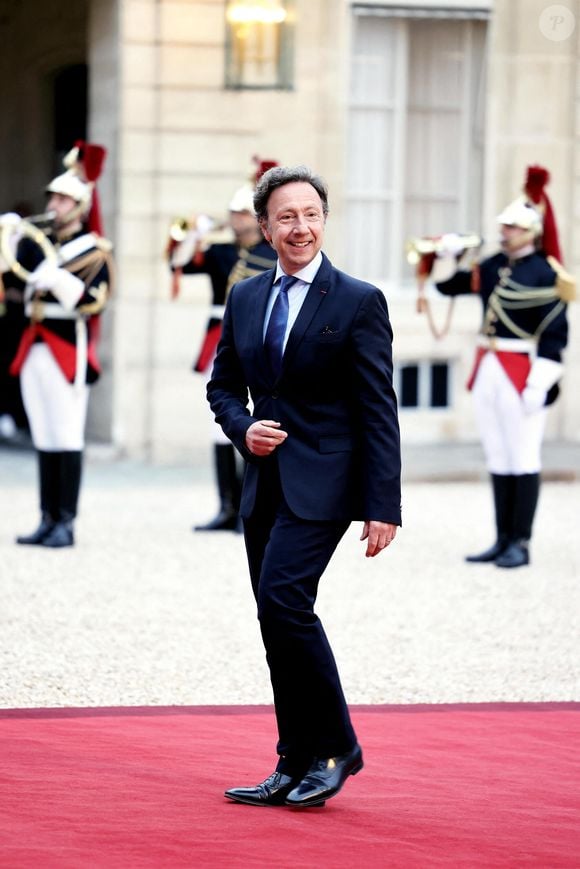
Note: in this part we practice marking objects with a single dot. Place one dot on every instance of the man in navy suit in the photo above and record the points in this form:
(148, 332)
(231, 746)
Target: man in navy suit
(321, 441)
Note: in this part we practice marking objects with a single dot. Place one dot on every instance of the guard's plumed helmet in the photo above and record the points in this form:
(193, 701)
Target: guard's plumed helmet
(243, 198)
(522, 213)
(533, 212)
(83, 164)
(69, 184)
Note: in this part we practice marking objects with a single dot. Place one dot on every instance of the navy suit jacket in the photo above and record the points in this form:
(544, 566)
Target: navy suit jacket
(334, 397)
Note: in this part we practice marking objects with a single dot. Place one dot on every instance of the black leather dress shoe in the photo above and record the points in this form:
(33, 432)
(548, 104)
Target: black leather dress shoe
(498, 548)
(325, 778)
(271, 792)
(61, 534)
(226, 520)
(517, 554)
(38, 536)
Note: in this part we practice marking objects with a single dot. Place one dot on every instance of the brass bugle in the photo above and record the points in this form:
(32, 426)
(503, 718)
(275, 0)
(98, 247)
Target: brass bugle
(201, 224)
(41, 219)
(12, 225)
(415, 248)
(215, 232)
(179, 228)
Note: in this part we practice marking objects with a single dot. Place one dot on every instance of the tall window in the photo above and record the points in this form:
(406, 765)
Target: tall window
(416, 146)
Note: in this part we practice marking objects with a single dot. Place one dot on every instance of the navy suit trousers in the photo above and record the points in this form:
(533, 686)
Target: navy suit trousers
(287, 556)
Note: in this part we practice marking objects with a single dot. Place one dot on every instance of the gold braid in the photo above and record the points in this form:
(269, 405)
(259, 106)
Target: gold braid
(516, 297)
(247, 266)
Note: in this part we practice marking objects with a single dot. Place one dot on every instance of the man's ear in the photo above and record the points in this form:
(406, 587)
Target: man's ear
(263, 224)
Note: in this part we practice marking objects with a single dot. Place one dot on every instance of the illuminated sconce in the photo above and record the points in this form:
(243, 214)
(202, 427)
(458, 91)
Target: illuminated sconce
(259, 43)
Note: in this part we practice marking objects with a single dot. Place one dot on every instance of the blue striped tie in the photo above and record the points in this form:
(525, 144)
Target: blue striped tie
(274, 339)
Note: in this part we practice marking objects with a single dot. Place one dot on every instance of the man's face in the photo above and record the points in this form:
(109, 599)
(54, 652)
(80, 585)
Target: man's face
(295, 224)
(62, 206)
(512, 238)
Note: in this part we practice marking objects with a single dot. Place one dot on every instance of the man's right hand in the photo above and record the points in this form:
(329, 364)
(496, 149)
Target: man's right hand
(264, 436)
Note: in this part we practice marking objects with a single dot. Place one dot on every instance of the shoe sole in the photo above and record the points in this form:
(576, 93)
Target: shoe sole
(258, 805)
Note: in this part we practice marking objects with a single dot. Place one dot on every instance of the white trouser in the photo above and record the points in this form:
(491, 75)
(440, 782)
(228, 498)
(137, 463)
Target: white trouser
(511, 438)
(56, 409)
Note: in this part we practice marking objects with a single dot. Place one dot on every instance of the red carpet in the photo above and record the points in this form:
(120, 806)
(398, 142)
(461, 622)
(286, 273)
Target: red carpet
(458, 786)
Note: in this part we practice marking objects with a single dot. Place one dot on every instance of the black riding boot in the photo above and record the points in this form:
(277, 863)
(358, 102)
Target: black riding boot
(517, 553)
(504, 500)
(229, 489)
(62, 534)
(49, 479)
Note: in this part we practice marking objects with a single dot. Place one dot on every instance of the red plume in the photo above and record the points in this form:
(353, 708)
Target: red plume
(262, 166)
(536, 180)
(92, 159)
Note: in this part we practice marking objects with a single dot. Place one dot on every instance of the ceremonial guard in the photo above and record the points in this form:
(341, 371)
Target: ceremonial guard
(226, 259)
(518, 362)
(65, 288)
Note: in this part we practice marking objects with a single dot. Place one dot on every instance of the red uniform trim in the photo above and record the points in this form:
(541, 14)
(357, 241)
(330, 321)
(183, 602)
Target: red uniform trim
(64, 353)
(516, 365)
(27, 340)
(94, 334)
(208, 348)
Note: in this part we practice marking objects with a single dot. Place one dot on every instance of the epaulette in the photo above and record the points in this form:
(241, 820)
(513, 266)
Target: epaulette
(102, 243)
(565, 282)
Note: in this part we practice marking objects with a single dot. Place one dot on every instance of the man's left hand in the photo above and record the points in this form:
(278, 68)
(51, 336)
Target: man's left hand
(378, 536)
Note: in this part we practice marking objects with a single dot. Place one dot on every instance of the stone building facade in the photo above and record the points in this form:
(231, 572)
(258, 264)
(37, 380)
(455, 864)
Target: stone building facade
(421, 115)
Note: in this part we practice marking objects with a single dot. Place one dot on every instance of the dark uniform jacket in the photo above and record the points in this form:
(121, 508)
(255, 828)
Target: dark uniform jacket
(520, 300)
(225, 264)
(88, 257)
(219, 260)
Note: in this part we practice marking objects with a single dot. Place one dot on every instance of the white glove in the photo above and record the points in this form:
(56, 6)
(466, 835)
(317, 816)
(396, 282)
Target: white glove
(204, 224)
(533, 399)
(544, 373)
(10, 219)
(67, 288)
(183, 252)
(450, 244)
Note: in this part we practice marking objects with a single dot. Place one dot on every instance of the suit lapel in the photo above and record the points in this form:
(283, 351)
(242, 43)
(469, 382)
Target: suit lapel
(258, 315)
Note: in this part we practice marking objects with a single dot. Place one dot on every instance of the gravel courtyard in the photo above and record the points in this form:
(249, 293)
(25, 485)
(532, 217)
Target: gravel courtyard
(144, 612)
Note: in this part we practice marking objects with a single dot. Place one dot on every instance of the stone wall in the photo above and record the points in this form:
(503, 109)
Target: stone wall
(180, 143)
(184, 144)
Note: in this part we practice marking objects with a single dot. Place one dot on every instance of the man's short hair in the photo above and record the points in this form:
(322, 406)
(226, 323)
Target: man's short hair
(278, 177)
